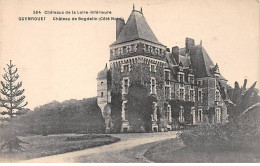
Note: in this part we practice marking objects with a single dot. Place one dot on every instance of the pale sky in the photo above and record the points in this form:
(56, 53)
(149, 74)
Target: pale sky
(60, 60)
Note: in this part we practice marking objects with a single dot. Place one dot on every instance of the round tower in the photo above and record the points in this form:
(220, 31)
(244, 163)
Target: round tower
(104, 96)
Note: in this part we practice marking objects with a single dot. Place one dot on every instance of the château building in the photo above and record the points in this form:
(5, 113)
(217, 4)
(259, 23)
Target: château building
(178, 74)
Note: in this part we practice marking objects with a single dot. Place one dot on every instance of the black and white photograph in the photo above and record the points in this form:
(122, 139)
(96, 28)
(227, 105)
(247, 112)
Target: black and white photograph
(134, 81)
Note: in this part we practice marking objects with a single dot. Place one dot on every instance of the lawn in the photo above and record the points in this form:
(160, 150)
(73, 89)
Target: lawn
(173, 151)
(40, 146)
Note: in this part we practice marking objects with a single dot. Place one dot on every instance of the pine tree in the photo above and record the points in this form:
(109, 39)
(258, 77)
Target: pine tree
(13, 101)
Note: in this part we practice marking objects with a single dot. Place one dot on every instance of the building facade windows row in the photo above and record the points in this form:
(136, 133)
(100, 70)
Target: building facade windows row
(134, 60)
(123, 50)
(133, 48)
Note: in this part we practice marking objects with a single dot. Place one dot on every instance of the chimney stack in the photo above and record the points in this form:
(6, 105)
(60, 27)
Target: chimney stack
(189, 42)
(175, 53)
(120, 23)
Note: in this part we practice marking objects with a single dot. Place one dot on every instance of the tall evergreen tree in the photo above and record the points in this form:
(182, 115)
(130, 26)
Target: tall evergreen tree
(13, 101)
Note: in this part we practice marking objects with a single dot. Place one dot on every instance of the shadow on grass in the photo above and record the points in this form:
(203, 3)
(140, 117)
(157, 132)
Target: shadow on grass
(41, 146)
(174, 151)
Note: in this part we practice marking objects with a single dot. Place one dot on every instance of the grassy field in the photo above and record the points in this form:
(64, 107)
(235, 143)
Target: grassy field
(40, 146)
(173, 151)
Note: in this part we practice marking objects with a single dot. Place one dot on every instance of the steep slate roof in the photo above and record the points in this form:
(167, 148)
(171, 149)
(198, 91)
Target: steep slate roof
(184, 60)
(135, 28)
(201, 62)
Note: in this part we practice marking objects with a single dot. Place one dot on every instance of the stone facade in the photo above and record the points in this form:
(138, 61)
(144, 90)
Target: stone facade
(182, 74)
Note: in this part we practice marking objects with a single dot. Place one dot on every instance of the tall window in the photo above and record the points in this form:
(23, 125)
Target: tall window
(153, 86)
(152, 68)
(200, 115)
(124, 112)
(154, 114)
(191, 95)
(200, 95)
(102, 94)
(167, 92)
(125, 85)
(126, 68)
(181, 94)
(181, 115)
(167, 77)
(218, 115)
(217, 95)
(169, 116)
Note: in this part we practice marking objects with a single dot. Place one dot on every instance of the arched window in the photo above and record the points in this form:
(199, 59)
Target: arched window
(102, 94)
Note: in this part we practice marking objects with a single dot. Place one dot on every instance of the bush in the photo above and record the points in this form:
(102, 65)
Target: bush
(204, 137)
(242, 133)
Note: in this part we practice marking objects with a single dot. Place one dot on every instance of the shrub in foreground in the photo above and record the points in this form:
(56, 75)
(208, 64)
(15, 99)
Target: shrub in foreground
(242, 133)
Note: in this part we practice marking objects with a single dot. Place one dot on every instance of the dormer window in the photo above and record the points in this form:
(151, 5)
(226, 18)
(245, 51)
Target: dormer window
(147, 48)
(199, 82)
(181, 78)
(132, 48)
(124, 50)
(116, 51)
(191, 79)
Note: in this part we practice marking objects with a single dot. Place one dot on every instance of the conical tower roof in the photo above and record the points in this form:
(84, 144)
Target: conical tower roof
(103, 73)
(135, 28)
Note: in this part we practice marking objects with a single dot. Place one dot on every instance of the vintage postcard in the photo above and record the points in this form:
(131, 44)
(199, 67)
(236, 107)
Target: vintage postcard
(134, 81)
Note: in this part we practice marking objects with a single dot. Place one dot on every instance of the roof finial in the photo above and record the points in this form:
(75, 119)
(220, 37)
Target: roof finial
(200, 42)
(141, 10)
(133, 6)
